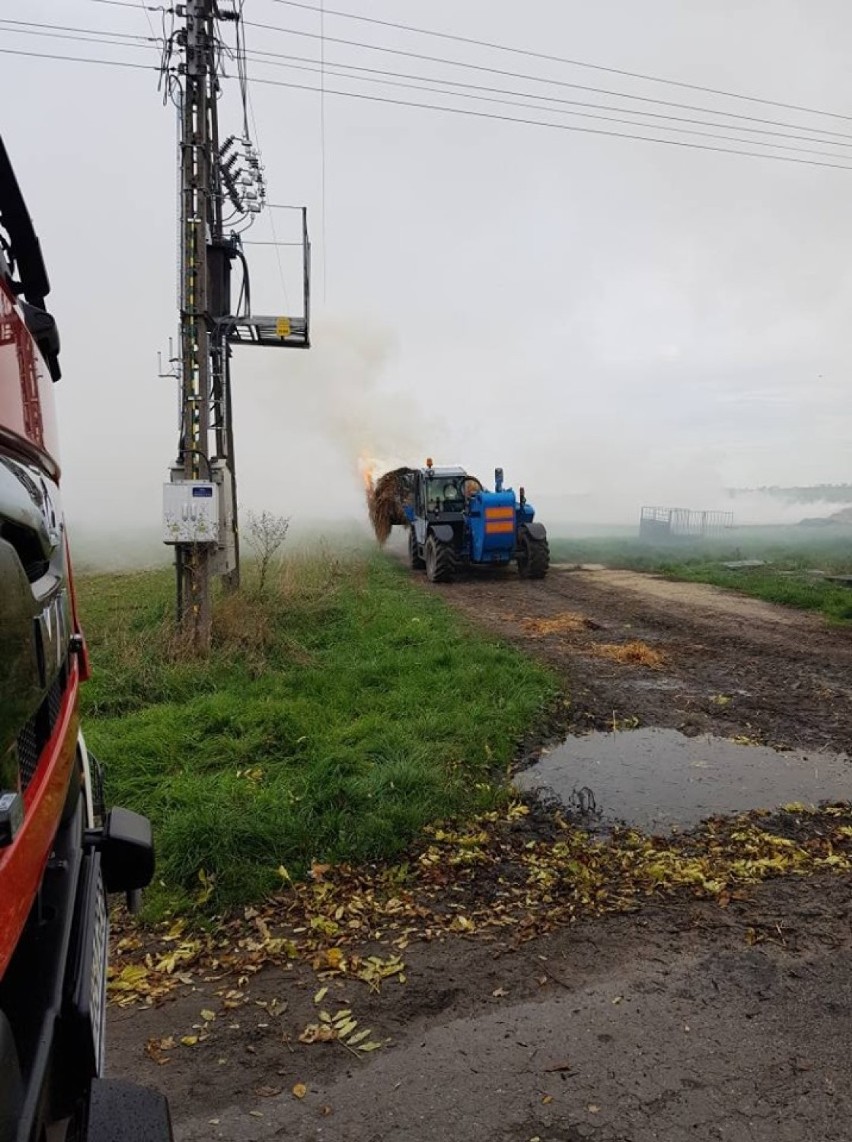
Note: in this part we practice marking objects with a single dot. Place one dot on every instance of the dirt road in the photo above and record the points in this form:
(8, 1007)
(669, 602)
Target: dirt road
(687, 1020)
(730, 665)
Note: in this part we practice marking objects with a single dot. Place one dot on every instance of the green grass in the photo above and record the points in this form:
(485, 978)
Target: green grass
(335, 719)
(789, 552)
(790, 589)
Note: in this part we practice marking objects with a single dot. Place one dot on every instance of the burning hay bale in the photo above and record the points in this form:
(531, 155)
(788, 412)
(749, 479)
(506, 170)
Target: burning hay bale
(386, 499)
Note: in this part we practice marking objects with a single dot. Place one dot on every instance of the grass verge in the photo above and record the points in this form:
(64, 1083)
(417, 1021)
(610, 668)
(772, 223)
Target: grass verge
(787, 586)
(338, 715)
(786, 579)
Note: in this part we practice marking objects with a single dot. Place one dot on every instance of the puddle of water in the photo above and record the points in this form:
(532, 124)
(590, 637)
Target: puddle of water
(659, 780)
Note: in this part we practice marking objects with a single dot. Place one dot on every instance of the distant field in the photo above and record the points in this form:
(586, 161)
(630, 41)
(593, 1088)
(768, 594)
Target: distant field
(790, 553)
(336, 717)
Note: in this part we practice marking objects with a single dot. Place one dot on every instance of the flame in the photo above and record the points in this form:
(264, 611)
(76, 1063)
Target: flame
(368, 468)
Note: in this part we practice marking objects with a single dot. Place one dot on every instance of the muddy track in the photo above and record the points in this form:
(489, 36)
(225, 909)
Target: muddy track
(731, 665)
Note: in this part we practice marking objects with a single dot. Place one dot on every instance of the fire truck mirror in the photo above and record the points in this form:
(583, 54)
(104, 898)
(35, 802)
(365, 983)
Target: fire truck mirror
(127, 851)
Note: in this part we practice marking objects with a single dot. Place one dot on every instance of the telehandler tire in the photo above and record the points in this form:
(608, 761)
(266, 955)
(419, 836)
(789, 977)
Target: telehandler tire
(533, 556)
(440, 561)
(415, 560)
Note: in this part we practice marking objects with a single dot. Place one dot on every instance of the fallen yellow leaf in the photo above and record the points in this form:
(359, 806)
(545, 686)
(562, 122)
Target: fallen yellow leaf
(359, 1038)
(334, 957)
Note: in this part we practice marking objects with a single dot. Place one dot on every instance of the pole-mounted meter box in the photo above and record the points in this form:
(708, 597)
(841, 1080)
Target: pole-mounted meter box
(191, 512)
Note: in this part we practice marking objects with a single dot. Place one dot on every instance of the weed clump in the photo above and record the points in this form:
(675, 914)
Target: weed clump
(265, 533)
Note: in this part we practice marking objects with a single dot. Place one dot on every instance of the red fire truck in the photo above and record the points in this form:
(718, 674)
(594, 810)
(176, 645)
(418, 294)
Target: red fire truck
(61, 852)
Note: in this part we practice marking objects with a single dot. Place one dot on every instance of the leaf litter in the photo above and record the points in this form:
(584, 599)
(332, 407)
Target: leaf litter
(511, 874)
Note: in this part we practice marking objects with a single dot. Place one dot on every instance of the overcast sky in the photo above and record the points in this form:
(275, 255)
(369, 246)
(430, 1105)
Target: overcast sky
(598, 315)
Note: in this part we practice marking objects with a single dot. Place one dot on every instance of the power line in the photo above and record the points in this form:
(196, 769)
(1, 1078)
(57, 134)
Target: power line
(128, 4)
(69, 28)
(242, 72)
(552, 126)
(75, 39)
(80, 59)
(533, 78)
(587, 115)
(257, 54)
(310, 65)
(560, 59)
(456, 111)
(147, 12)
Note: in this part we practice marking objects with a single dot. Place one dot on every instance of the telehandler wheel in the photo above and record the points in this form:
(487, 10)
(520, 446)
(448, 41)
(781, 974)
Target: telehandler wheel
(440, 561)
(533, 556)
(415, 561)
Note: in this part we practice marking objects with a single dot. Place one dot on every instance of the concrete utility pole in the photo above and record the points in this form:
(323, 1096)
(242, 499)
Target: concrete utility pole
(197, 199)
(200, 503)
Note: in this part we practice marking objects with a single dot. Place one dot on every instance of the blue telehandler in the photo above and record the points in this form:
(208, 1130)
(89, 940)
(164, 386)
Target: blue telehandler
(455, 522)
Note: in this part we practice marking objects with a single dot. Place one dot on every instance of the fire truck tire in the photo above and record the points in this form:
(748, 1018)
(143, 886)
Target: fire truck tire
(121, 1111)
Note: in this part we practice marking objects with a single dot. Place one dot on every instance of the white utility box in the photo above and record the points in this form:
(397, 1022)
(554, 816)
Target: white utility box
(191, 512)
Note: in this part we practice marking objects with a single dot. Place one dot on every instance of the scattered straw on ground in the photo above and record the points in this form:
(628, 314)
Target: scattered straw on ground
(510, 875)
(563, 623)
(634, 653)
(386, 500)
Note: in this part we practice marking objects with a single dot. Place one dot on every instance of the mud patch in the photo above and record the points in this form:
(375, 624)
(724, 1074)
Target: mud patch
(659, 780)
